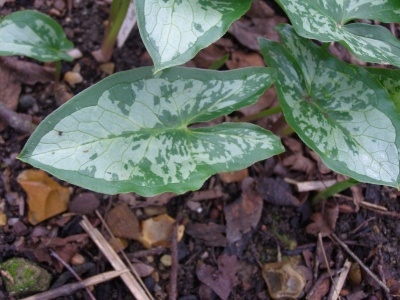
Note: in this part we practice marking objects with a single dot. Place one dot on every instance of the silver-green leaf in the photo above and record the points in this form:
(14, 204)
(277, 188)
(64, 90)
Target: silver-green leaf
(326, 21)
(340, 111)
(390, 80)
(130, 132)
(174, 31)
(33, 34)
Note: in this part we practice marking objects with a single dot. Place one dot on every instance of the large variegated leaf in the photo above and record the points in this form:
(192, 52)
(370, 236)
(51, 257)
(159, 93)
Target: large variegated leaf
(130, 131)
(338, 110)
(326, 20)
(35, 35)
(174, 31)
(390, 80)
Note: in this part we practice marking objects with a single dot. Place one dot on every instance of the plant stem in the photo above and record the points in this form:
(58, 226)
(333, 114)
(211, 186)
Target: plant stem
(334, 189)
(119, 9)
(264, 113)
(58, 72)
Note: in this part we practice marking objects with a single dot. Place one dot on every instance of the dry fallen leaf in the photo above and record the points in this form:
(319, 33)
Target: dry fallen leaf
(157, 231)
(240, 59)
(46, 198)
(284, 280)
(212, 234)
(277, 191)
(221, 281)
(324, 222)
(243, 214)
(123, 222)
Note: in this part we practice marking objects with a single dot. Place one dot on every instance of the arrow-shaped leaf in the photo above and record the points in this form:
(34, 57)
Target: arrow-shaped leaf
(338, 110)
(174, 31)
(130, 131)
(326, 21)
(35, 35)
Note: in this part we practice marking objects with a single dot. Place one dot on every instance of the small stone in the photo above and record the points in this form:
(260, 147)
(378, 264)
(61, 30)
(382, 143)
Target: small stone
(22, 276)
(194, 206)
(75, 53)
(166, 260)
(73, 78)
(108, 68)
(123, 222)
(118, 244)
(26, 102)
(3, 219)
(77, 259)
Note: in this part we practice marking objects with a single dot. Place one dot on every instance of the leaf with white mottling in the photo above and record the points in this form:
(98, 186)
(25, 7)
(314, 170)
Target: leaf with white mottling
(174, 31)
(130, 132)
(326, 21)
(390, 80)
(338, 110)
(35, 35)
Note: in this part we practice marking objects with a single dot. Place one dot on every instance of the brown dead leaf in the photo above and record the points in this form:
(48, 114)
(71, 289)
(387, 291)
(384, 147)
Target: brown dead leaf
(236, 176)
(84, 203)
(322, 168)
(260, 20)
(207, 56)
(123, 222)
(324, 222)
(319, 291)
(240, 59)
(284, 280)
(298, 162)
(277, 191)
(243, 214)
(157, 231)
(212, 234)
(220, 280)
(207, 195)
(266, 100)
(160, 200)
(46, 198)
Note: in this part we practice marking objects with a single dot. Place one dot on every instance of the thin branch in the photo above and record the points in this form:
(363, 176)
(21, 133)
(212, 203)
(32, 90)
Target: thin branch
(15, 120)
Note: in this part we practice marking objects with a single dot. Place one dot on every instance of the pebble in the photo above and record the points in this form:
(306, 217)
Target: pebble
(166, 260)
(77, 259)
(73, 78)
(84, 203)
(26, 102)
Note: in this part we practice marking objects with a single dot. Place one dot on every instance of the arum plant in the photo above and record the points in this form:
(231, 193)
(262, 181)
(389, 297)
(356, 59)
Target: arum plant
(35, 35)
(134, 130)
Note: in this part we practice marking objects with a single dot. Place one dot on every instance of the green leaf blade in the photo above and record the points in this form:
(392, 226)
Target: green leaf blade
(130, 132)
(33, 34)
(174, 31)
(326, 21)
(338, 110)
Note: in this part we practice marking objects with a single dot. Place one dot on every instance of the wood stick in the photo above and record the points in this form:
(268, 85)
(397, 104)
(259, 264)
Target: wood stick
(337, 287)
(114, 259)
(71, 288)
(362, 265)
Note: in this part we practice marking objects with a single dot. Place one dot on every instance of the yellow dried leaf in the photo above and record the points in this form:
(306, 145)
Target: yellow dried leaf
(46, 198)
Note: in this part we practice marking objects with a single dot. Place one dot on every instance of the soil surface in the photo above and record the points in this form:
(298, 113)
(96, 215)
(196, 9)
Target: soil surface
(236, 226)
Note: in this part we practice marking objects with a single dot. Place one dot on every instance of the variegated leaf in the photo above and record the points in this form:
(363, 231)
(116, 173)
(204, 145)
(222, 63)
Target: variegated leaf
(390, 80)
(33, 34)
(338, 110)
(326, 21)
(130, 131)
(174, 31)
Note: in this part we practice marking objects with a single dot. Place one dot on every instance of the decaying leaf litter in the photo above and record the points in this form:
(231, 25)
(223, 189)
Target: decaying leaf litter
(220, 241)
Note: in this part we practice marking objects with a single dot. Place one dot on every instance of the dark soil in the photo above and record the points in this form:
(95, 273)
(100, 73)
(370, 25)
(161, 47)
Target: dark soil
(372, 236)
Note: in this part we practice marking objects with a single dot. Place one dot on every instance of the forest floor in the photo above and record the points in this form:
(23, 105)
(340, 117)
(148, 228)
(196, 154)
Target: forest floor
(237, 227)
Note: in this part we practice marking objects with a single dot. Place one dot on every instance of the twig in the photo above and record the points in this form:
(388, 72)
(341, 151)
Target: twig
(173, 293)
(67, 266)
(337, 287)
(139, 280)
(15, 120)
(71, 288)
(114, 259)
(362, 265)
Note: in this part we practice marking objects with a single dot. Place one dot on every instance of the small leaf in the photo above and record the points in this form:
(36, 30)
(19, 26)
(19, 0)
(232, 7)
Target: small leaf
(390, 80)
(175, 31)
(35, 35)
(326, 21)
(130, 131)
(338, 110)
